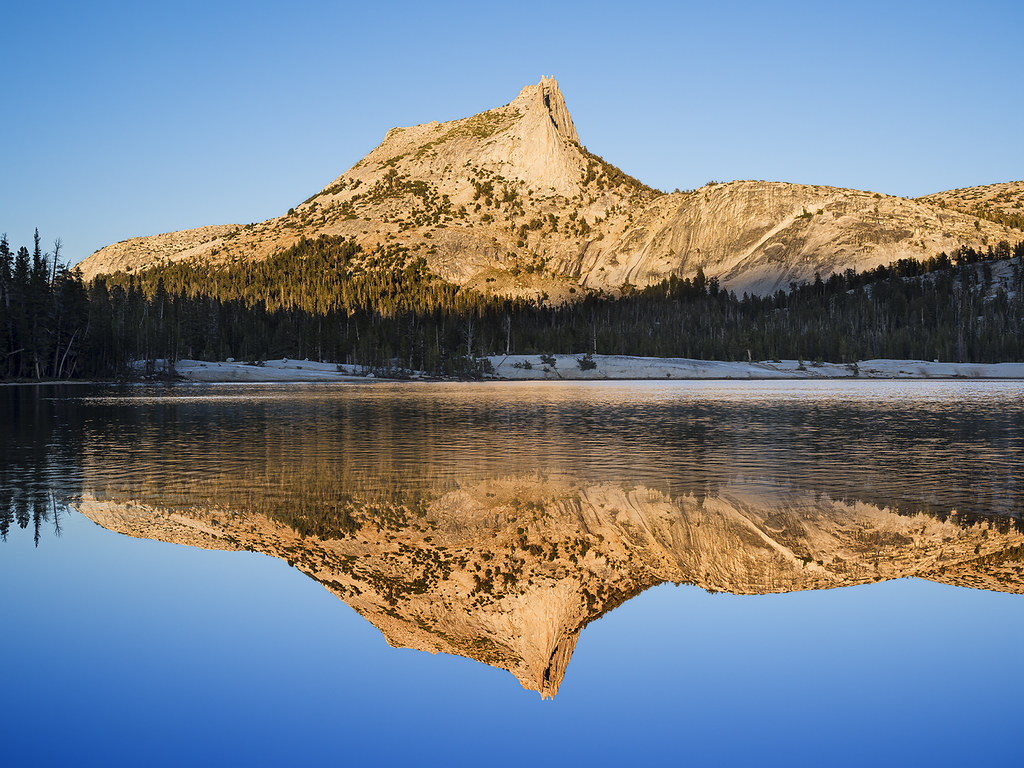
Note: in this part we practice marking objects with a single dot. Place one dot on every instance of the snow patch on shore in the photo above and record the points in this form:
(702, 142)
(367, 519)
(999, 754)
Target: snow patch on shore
(567, 367)
(531, 367)
(271, 370)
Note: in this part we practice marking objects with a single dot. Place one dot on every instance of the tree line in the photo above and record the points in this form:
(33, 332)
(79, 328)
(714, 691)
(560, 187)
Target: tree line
(43, 313)
(381, 308)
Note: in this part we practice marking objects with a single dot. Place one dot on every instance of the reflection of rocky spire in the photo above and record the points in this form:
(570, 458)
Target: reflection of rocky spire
(553, 673)
(509, 572)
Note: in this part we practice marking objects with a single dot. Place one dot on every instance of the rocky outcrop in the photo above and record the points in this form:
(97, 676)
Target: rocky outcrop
(508, 201)
(759, 236)
(1005, 198)
(140, 252)
(509, 572)
(1000, 203)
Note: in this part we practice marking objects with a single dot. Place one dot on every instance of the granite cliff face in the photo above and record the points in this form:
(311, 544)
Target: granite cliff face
(509, 201)
(508, 572)
(761, 236)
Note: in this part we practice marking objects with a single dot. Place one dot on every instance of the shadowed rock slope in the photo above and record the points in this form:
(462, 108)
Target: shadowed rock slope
(508, 572)
(508, 201)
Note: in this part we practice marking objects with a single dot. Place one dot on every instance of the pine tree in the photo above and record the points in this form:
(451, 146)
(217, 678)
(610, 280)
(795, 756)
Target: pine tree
(6, 327)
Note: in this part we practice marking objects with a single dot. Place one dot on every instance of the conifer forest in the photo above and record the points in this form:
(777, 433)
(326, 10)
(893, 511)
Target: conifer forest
(382, 309)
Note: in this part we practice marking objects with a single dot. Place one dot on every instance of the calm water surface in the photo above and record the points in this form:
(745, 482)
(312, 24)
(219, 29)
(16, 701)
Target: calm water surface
(214, 572)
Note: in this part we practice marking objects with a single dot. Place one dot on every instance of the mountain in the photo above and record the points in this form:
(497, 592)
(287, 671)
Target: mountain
(509, 571)
(510, 202)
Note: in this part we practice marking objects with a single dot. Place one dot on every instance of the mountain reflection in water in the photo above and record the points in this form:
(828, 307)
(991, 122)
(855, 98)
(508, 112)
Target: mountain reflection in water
(509, 571)
(496, 523)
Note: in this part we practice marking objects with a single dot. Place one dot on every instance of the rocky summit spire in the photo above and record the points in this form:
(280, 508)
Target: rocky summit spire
(557, 111)
(544, 103)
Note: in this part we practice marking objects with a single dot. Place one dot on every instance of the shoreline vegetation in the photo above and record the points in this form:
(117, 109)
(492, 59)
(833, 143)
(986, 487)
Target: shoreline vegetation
(381, 311)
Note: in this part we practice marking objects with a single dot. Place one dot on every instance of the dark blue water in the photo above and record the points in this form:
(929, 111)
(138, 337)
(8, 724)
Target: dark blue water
(124, 650)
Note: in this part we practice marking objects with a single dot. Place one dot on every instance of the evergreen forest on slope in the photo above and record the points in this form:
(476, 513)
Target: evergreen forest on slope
(382, 309)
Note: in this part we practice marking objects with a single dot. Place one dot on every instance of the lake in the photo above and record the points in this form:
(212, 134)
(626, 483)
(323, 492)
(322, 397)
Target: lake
(509, 573)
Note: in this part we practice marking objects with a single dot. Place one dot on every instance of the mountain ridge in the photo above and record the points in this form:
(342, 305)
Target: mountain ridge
(509, 201)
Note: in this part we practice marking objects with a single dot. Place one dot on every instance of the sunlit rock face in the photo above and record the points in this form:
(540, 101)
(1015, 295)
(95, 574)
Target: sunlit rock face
(510, 201)
(509, 571)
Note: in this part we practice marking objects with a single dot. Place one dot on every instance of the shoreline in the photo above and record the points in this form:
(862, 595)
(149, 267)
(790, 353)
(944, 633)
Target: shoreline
(607, 368)
(569, 368)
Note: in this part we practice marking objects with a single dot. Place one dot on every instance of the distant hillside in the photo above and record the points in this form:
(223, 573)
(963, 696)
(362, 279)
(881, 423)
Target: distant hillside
(509, 202)
(1000, 203)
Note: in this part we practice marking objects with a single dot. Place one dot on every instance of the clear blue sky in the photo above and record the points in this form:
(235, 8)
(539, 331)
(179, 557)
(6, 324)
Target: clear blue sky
(125, 119)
